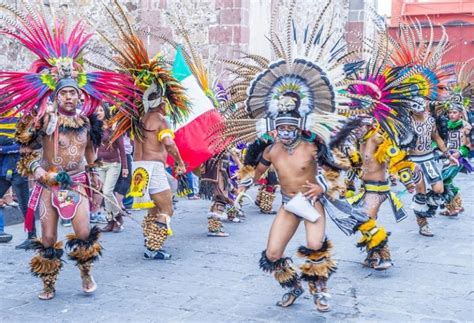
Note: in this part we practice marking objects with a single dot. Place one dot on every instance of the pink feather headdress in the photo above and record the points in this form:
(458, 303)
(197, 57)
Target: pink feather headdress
(59, 57)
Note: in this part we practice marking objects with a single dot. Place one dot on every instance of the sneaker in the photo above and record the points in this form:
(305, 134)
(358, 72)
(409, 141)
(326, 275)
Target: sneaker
(25, 244)
(426, 231)
(382, 265)
(13, 204)
(66, 223)
(98, 218)
(5, 237)
(156, 255)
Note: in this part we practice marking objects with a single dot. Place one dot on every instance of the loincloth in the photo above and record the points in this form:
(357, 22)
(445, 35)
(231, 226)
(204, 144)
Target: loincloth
(148, 177)
(427, 166)
(65, 201)
(381, 189)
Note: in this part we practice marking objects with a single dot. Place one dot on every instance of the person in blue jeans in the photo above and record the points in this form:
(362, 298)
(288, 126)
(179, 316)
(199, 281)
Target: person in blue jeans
(4, 237)
(9, 176)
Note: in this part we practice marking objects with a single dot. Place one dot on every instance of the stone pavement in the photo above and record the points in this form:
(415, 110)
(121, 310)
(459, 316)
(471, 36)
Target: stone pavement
(218, 280)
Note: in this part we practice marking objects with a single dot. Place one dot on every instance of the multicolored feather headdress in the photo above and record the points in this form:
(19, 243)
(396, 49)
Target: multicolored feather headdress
(300, 86)
(152, 77)
(460, 94)
(206, 75)
(59, 59)
(412, 50)
(383, 92)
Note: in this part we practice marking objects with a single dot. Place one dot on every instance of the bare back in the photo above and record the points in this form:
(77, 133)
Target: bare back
(150, 148)
(295, 169)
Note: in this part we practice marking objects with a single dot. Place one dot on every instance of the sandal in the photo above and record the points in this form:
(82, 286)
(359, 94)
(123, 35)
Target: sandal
(46, 296)
(289, 298)
(89, 280)
(217, 234)
(118, 227)
(382, 265)
(321, 300)
(447, 213)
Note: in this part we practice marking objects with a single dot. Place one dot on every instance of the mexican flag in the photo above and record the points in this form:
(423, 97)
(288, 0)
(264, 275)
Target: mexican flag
(192, 135)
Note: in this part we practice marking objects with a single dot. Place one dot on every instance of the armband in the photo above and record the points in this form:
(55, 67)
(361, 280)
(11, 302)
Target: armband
(264, 162)
(166, 133)
(464, 151)
(28, 163)
(53, 122)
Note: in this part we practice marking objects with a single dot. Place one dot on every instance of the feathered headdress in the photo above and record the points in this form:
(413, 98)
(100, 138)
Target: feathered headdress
(151, 75)
(58, 64)
(459, 94)
(300, 86)
(412, 50)
(383, 92)
(208, 81)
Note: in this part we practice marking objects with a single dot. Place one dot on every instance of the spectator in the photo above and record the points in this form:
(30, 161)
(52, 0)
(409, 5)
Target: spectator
(113, 165)
(123, 183)
(193, 192)
(470, 119)
(9, 177)
(4, 237)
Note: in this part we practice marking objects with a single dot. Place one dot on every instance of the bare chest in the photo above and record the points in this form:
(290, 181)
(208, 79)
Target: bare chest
(70, 151)
(300, 163)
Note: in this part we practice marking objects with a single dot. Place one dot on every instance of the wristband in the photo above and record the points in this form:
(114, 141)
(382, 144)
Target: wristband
(91, 169)
(246, 182)
(34, 166)
(322, 182)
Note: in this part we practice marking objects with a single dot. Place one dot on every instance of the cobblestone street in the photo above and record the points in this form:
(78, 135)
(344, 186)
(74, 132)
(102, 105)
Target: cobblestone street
(217, 279)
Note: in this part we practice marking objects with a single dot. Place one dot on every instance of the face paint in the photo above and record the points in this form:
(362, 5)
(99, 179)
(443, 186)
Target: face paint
(287, 136)
(417, 105)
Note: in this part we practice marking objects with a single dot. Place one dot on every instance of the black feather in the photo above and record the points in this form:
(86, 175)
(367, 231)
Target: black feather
(345, 132)
(308, 252)
(255, 152)
(93, 237)
(265, 264)
(46, 252)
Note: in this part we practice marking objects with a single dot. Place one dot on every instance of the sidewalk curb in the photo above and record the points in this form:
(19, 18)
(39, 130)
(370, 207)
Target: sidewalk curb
(12, 215)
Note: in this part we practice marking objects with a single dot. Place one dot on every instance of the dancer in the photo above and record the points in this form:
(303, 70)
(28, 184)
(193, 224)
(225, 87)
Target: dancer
(214, 187)
(379, 155)
(458, 143)
(296, 98)
(373, 145)
(422, 60)
(67, 139)
(149, 160)
(160, 99)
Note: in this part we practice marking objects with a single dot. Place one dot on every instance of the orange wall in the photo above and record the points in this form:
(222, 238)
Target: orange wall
(443, 12)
